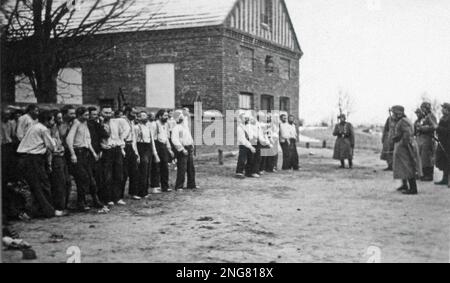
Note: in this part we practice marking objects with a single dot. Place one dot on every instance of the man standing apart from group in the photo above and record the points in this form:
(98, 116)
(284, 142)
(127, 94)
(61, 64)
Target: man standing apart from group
(407, 163)
(345, 143)
(443, 151)
(425, 128)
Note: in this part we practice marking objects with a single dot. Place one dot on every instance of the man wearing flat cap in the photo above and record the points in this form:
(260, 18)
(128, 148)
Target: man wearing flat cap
(424, 129)
(442, 153)
(345, 142)
(407, 163)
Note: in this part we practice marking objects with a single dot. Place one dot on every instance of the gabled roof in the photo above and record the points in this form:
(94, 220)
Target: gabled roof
(151, 14)
(146, 15)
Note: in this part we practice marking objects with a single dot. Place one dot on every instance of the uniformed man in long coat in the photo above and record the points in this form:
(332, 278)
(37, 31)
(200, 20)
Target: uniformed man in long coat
(388, 144)
(407, 164)
(345, 143)
(443, 150)
(424, 128)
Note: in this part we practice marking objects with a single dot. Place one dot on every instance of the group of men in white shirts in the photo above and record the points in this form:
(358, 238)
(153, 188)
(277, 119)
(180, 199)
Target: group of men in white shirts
(102, 152)
(260, 140)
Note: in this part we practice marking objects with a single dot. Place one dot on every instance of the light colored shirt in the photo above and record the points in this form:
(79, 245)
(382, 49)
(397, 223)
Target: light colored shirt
(153, 128)
(24, 123)
(262, 132)
(244, 135)
(115, 128)
(162, 133)
(129, 131)
(59, 147)
(36, 141)
(7, 132)
(79, 136)
(181, 137)
(287, 132)
(143, 133)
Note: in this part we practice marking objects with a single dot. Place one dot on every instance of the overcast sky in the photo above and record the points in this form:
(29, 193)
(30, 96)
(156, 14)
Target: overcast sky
(383, 52)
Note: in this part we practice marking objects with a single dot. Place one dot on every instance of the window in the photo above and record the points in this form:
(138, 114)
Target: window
(285, 104)
(267, 15)
(270, 65)
(267, 103)
(246, 59)
(160, 86)
(285, 69)
(69, 88)
(246, 101)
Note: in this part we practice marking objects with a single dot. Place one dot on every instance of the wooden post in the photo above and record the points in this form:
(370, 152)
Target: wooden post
(221, 157)
(324, 145)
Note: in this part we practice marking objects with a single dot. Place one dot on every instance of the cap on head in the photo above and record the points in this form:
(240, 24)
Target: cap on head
(178, 115)
(446, 106)
(398, 109)
(426, 105)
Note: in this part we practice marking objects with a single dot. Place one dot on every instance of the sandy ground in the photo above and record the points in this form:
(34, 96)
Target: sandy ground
(320, 214)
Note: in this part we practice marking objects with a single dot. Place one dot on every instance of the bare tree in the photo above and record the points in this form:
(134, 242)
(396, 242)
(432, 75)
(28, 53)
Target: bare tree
(345, 103)
(47, 35)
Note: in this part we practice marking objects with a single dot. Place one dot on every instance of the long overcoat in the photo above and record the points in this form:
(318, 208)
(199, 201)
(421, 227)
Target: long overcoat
(407, 162)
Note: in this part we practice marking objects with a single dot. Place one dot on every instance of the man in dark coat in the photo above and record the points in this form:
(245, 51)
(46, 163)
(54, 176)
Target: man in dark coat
(387, 153)
(407, 162)
(424, 129)
(442, 154)
(345, 143)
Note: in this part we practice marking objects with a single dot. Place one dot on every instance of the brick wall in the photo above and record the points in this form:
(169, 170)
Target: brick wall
(259, 82)
(207, 63)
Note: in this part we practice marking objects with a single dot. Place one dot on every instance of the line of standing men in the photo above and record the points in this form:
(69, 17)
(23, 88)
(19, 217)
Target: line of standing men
(101, 151)
(261, 139)
(412, 150)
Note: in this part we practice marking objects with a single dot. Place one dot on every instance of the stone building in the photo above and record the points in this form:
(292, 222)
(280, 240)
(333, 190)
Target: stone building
(228, 54)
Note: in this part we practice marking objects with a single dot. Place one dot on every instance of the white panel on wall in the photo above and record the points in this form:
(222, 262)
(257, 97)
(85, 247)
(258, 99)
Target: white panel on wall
(160, 86)
(70, 86)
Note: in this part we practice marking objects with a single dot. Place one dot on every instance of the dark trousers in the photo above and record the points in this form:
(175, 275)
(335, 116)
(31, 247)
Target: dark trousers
(130, 171)
(112, 175)
(245, 161)
(270, 163)
(60, 180)
(9, 164)
(84, 176)
(290, 155)
(257, 159)
(185, 165)
(266, 161)
(146, 154)
(35, 173)
(160, 172)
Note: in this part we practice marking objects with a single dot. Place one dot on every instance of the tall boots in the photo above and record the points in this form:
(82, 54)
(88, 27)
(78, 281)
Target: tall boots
(412, 188)
(428, 174)
(404, 186)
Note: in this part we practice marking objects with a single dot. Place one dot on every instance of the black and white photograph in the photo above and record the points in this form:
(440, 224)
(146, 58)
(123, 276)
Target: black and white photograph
(225, 132)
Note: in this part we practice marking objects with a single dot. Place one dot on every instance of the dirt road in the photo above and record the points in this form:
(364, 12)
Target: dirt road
(320, 214)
